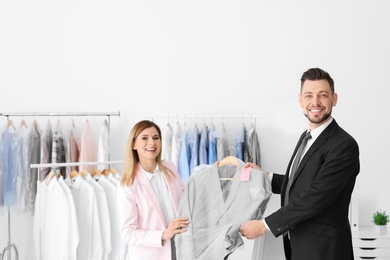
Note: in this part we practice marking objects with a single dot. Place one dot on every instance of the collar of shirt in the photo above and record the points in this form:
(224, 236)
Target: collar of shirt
(149, 175)
(317, 131)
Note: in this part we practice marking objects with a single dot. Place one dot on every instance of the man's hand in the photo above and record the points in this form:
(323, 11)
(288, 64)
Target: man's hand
(253, 229)
(255, 166)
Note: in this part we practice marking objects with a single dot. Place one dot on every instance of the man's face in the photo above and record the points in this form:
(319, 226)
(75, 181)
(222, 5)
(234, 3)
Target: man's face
(317, 100)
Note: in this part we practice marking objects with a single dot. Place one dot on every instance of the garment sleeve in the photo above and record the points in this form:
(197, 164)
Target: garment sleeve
(333, 176)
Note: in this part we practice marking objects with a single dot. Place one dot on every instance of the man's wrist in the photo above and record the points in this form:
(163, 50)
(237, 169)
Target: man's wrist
(265, 225)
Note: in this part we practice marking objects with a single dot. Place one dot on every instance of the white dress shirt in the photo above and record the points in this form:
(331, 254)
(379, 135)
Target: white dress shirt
(159, 185)
(118, 248)
(104, 215)
(91, 245)
(167, 143)
(55, 227)
(176, 145)
(103, 146)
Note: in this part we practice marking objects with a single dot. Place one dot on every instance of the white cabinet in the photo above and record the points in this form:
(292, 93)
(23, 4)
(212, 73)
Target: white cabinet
(367, 244)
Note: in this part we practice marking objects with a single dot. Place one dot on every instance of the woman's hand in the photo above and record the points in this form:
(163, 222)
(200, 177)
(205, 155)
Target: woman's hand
(178, 225)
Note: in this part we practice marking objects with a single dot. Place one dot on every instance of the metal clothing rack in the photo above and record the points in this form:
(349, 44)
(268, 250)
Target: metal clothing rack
(34, 114)
(200, 117)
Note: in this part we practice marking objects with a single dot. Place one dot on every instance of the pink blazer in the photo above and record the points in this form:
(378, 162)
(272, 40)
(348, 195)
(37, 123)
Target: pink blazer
(141, 218)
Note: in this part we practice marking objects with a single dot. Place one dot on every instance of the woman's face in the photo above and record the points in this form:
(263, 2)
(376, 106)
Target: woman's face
(148, 144)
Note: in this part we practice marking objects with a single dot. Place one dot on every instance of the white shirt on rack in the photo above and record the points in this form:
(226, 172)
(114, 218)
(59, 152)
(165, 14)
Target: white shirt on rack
(55, 233)
(90, 245)
(118, 248)
(73, 231)
(104, 215)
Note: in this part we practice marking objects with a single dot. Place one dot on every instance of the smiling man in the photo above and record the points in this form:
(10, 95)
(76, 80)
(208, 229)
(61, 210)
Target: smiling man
(317, 186)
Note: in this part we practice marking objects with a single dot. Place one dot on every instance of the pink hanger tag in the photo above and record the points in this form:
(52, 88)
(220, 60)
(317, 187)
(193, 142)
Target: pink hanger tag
(245, 174)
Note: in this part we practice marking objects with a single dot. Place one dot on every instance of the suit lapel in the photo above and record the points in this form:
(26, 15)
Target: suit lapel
(284, 184)
(321, 140)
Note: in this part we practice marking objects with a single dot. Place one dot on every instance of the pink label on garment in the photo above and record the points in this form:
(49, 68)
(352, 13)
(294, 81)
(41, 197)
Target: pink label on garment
(245, 174)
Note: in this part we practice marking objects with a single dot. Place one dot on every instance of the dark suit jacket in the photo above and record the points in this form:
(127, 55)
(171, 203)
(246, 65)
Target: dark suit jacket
(317, 214)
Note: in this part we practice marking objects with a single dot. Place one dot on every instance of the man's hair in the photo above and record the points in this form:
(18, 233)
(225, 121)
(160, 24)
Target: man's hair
(317, 74)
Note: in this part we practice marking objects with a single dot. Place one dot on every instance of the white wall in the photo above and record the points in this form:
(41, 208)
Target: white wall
(160, 58)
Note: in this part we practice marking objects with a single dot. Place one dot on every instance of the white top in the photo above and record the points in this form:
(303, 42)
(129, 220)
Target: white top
(104, 216)
(116, 240)
(159, 185)
(91, 245)
(55, 233)
(73, 231)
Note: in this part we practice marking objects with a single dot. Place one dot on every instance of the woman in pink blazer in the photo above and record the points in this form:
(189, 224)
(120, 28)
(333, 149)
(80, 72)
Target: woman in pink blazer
(148, 197)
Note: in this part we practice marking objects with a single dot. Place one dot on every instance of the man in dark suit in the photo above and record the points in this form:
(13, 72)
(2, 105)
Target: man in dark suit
(313, 218)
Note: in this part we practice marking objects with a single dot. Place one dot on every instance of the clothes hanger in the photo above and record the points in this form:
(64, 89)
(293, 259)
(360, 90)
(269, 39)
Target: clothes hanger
(50, 176)
(232, 160)
(229, 160)
(106, 172)
(74, 174)
(96, 172)
(23, 123)
(84, 173)
(10, 124)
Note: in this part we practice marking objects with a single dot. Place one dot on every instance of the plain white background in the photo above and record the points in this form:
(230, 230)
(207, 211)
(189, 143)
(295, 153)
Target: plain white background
(216, 57)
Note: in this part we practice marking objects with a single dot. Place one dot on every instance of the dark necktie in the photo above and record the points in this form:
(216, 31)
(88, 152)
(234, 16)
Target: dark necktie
(294, 167)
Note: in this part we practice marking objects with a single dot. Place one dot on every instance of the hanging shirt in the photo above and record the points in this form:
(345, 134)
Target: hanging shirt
(22, 167)
(104, 146)
(216, 211)
(203, 145)
(55, 225)
(58, 150)
(193, 144)
(73, 226)
(212, 153)
(240, 143)
(72, 151)
(8, 158)
(104, 215)
(87, 148)
(117, 250)
(2, 209)
(46, 150)
(167, 143)
(34, 154)
(253, 145)
(222, 143)
(176, 145)
(91, 245)
(184, 158)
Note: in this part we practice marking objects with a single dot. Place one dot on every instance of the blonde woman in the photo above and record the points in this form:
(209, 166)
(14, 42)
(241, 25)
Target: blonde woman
(148, 197)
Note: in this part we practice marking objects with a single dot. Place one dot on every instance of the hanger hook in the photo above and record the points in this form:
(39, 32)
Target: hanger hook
(233, 151)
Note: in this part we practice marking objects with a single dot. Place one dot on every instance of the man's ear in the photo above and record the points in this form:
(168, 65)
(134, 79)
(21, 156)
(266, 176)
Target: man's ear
(300, 100)
(335, 98)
